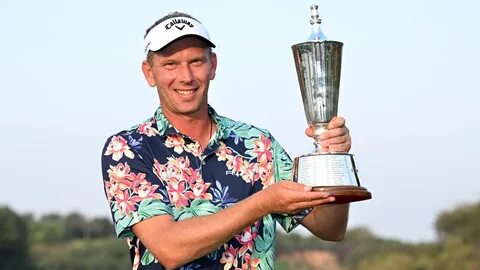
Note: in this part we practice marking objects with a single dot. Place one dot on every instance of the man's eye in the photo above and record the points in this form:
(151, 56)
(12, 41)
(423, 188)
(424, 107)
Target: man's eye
(197, 62)
(169, 65)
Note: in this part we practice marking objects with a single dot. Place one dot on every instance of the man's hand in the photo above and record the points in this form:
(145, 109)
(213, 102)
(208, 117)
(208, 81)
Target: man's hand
(290, 198)
(336, 138)
(327, 221)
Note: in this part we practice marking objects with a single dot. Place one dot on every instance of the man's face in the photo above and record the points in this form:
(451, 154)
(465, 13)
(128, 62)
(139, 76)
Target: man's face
(182, 72)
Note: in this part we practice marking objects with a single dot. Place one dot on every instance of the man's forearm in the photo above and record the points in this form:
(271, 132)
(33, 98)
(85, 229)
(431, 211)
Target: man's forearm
(196, 237)
(328, 222)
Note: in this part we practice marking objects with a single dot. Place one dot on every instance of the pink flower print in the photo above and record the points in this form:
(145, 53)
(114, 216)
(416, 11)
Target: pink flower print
(265, 172)
(118, 147)
(174, 172)
(223, 152)
(192, 176)
(119, 175)
(160, 170)
(147, 191)
(110, 190)
(249, 263)
(240, 165)
(125, 183)
(124, 203)
(175, 193)
(246, 239)
(262, 149)
(248, 172)
(143, 188)
(147, 129)
(137, 180)
(235, 164)
(230, 162)
(177, 142)
(193, 148)
(121, 170)
(199, 191)
(181, 162)
(229, 257)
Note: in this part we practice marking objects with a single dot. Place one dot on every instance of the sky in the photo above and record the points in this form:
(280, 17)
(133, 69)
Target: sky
(70, 78)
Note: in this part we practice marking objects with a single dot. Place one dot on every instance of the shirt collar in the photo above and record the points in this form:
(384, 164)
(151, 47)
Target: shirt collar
(222, 129)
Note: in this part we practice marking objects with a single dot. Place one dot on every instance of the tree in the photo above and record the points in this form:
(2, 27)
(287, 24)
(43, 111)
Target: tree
(99, 227)
(14, 251)
(75, 226)
(390, 261)
(463, 222)
(48, 229)
(86, 254)
(457, 254)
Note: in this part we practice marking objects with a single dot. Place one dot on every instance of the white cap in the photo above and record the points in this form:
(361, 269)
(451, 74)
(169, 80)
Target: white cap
(172, 29)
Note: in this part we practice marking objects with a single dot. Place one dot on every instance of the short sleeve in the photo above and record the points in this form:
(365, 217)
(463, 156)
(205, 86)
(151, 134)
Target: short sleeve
(283, 171)
(132, 187)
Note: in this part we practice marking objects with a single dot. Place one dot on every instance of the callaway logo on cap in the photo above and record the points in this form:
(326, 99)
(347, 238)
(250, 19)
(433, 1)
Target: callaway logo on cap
(172, 29)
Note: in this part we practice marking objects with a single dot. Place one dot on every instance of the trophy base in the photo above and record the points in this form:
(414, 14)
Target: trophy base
(346, 194)
(334, 173)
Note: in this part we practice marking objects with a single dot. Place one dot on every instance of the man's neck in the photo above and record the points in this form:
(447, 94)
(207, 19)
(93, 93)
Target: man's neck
(198, 126)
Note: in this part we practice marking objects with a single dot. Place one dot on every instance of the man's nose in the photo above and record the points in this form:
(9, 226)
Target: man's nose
(185, 73)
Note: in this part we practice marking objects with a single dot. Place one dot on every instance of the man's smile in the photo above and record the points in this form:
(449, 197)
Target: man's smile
(185, 92)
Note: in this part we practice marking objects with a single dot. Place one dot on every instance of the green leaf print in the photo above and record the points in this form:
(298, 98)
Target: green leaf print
(121, 221)
(225, 124)
(264, 249)
(256, 131)
(250, 153)
(250, 143)
(242, 130)
(198, 207)
(152, 207)
(121, 225)
(147, 258)
(283, 164)
(265, 244)
(162, 123)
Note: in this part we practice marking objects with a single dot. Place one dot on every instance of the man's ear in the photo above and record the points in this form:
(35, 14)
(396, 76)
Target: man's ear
(147, 72)
(213, 68)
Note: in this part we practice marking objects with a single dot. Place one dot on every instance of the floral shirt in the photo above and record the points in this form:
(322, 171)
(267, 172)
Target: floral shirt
(152, 170)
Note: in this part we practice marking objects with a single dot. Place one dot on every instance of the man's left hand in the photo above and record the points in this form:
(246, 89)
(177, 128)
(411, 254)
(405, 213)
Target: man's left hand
(336, 138)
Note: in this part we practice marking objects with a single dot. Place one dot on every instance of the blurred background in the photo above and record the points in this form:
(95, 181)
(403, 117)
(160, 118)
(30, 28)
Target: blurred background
(409, 91)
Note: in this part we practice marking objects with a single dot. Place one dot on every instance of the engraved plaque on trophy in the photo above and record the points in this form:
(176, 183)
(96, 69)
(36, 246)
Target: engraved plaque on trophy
(318, 64)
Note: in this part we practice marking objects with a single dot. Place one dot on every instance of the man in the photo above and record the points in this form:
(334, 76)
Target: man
(191, 189)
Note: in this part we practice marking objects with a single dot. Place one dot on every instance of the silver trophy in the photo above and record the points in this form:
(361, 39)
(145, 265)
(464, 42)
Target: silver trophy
(318, 63)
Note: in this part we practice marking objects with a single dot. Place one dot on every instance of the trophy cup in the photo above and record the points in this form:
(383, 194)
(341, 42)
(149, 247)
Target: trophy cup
(318, 65)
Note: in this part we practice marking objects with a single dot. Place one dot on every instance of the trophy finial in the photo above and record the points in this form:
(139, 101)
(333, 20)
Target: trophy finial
(314, 14)
(316, 33)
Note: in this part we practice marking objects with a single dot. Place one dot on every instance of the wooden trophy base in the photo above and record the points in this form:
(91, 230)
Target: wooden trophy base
(346, 194)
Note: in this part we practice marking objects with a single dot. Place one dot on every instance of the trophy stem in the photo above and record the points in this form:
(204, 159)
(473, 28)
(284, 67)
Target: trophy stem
(319, 129)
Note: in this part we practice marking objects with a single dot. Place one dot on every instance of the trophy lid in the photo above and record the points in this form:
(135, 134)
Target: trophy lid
(316, 33)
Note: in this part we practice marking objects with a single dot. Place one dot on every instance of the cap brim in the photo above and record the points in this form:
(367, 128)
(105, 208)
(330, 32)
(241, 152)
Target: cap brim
(208, 42)
(174, 29)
